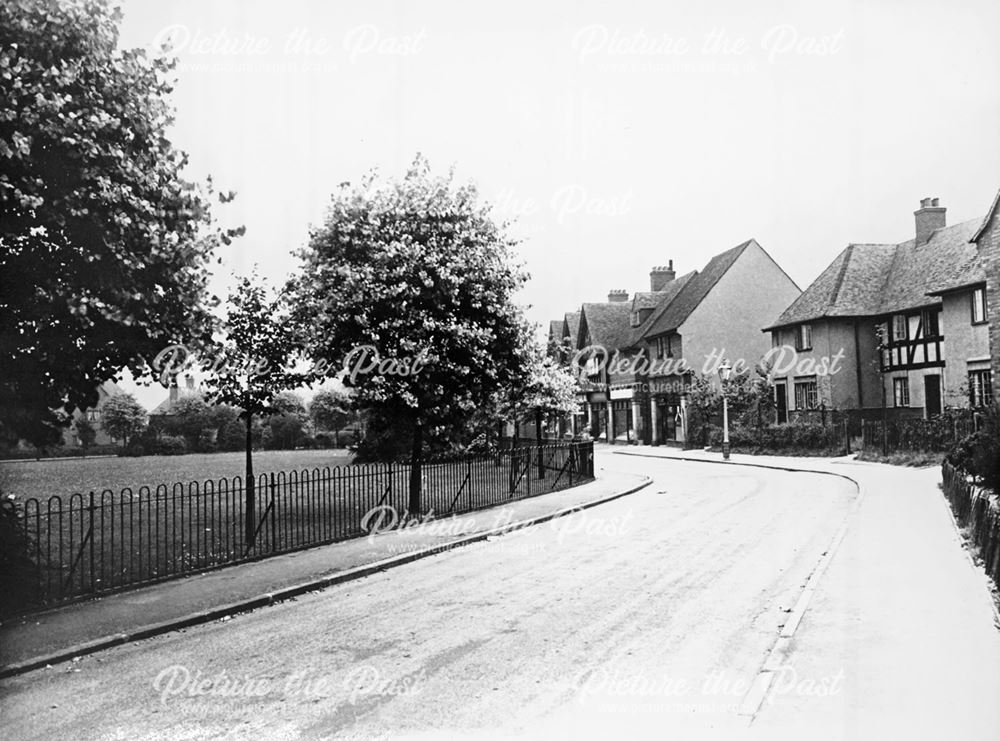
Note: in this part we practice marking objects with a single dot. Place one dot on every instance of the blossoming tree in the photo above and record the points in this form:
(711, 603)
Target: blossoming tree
(417, 270)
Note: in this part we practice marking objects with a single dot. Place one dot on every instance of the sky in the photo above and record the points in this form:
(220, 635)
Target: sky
(616, 135)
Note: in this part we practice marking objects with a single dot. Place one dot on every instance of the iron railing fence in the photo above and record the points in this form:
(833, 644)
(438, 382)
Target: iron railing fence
(97, 542)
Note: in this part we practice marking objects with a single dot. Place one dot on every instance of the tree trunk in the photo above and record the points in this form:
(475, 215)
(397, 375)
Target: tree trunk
(415, 473)
(538, 442)
(251, 516)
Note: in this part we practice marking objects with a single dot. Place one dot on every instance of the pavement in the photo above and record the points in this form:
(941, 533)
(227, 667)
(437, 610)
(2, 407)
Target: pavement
(81, 628)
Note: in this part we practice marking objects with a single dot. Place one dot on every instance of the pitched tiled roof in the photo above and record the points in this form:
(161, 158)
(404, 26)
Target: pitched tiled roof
(673, 313)
(873, 279)
(664, 298)
(648, 299)
(946, 259)
(956, 263)
(607, 324)
(851, 285)
(571, 327)
(986, 219)
(555, 330)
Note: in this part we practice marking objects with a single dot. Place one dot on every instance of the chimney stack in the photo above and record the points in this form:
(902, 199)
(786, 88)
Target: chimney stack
(190, 381)
(929, 218)
(173, 391)
(617, 296)
(660, 276)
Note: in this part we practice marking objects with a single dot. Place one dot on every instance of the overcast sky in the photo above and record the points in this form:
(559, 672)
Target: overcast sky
(620, 134)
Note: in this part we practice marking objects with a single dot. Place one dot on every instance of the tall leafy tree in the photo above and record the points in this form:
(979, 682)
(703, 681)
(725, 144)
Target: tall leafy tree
(251, 364)
(104, 246)
(418, 269)
(122, 417)
(329, 410)
(85, 431)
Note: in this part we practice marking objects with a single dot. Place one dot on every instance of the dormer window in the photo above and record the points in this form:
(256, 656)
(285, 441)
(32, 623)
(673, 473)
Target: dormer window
(635, 319)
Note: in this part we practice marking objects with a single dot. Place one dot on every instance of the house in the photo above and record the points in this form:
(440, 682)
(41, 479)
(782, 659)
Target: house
(174, 394)
(987, 241)
(93, 414)
(902, 325)
(642, 353)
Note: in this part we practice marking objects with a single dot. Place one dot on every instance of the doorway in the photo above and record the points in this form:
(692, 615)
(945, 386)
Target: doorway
(781, 402)
(932, 395)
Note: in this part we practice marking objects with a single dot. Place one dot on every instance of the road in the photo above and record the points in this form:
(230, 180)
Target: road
(648, 615)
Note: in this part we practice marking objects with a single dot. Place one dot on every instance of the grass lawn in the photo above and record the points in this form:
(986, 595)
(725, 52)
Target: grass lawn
(150, 534)
(911, 458)
(65, 476)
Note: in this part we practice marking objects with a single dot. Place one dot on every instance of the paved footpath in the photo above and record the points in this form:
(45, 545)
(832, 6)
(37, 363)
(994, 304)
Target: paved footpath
(900, 610)
(77, 629)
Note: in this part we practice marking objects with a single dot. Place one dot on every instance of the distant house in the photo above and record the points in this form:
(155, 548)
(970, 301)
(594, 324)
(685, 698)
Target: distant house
(174, 394)
(104, 392)
(908, 321)
(641, 352)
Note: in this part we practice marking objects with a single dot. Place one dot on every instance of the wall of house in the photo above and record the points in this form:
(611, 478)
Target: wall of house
(833, 349)
(989, 252)
(966, 346)
(749, 295)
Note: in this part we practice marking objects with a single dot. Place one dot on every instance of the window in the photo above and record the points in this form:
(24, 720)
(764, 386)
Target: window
(899, 333)
(661, 346)
(979, 306)
(929, 322)
(775, 339)
(980, 388)
(806, 396)
(901, 392)
(804, 337)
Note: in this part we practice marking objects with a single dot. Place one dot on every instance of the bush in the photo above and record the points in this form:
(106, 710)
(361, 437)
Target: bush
(790, 436)
(978, 454)
(60, 452)
(207, 441)
(133, 450)
(18, 573)
(171, 445)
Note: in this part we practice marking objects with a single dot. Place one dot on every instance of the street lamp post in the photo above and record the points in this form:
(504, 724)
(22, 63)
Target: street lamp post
(724, 371)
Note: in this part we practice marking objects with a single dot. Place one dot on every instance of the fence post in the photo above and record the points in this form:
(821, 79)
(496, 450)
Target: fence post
(90, 512)
(274, 515)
